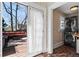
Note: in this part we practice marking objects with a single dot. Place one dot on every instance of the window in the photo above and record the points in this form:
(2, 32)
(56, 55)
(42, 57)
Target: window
(62, 23)
(14, 16)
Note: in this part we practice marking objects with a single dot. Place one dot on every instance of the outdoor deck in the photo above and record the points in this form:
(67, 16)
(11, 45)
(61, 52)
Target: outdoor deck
(17, 50)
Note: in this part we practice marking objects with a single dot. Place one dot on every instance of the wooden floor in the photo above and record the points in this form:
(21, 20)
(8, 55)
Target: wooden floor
(63, 51)
(21, 50)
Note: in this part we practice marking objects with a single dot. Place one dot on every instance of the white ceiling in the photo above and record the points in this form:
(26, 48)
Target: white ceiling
(66, 8)
(44, 4)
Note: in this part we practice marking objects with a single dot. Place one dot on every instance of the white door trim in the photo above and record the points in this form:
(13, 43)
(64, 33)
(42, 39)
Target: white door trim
(50, 24)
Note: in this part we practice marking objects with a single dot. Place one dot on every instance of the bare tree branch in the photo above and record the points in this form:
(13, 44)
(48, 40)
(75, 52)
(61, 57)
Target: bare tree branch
(6, 8)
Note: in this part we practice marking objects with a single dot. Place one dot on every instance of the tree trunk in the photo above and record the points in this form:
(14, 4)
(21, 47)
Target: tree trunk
(16, 16)
(11, 16)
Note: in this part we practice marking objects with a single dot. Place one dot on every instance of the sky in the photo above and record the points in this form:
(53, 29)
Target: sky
(22, 11)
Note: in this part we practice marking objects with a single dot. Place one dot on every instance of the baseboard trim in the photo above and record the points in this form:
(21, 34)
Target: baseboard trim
(58, 45)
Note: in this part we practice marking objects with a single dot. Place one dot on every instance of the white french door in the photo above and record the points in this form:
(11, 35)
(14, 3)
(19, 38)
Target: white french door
(35, 40)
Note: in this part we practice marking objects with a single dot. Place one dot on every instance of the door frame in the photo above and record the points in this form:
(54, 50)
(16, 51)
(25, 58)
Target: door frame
(50, 24)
